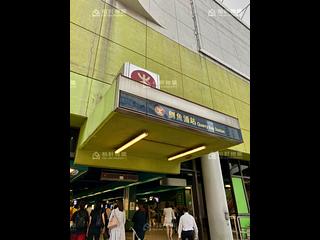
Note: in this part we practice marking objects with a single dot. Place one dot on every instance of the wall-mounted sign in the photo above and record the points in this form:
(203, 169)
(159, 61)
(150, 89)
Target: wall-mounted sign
(108, 176)
(155, 109)
(132, 206)
(177, 182)
(141, 75)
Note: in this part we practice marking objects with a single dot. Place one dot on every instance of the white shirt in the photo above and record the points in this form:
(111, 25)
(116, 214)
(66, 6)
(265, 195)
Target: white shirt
(187, 223)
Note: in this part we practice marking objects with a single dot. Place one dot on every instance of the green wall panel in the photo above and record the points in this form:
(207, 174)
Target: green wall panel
(218, 78)
(163, 50)
(79, 93)
(197, 92)
(100, 113)
(170, 80)
(98, 90)
(83, 13)
(240, 197)
(223, 103)
(239, 148)
(110, 59)
(76, 120)
(120, 25)
(193, 65)
(83, 46)
(246, 140)
(240, 88)
(243, 112)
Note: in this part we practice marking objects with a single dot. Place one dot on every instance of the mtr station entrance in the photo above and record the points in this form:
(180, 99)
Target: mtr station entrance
(143, 144)
(155, 190)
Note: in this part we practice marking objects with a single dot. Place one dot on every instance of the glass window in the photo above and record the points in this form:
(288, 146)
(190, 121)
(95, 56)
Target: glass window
(245, 168)
(187, 165)
(225, 170)
(234, 167)
(247, 187)
(230, 201)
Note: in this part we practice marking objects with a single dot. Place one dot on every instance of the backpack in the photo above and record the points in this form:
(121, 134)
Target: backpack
(80, 220)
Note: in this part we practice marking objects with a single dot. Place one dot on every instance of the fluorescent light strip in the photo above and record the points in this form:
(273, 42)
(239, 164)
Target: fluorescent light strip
(186, 153)
(130, 143)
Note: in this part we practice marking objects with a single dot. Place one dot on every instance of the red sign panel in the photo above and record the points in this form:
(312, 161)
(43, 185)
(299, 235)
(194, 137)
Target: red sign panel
(143, 77)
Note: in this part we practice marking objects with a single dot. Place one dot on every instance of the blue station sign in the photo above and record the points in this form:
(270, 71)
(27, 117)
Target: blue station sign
(158, 110)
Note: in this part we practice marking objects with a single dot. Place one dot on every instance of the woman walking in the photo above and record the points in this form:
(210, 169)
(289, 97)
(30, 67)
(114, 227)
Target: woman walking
(96, 223)
(118, 232)
(168, 215)
(140, 219)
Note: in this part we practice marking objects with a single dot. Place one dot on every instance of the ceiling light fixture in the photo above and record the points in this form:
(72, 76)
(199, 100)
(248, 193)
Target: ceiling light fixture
(73, 171)
(186, 153)
(130, 143)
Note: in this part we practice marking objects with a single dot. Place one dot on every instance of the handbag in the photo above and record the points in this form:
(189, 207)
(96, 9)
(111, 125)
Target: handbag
(113, 222)
(73, 228)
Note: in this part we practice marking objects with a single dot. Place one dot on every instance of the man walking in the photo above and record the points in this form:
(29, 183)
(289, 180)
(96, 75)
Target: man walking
(187, 229)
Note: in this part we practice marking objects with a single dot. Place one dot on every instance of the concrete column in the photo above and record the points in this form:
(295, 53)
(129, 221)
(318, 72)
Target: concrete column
(216, 202)
(129, 202)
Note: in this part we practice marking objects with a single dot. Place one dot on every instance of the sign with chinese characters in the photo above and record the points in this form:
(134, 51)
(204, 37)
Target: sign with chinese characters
(155, 109)
(141, 75)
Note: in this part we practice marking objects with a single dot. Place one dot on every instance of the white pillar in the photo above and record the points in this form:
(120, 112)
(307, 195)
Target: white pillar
(216, 202)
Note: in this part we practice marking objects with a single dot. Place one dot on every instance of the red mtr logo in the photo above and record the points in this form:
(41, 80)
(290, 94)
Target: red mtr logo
(143, 77)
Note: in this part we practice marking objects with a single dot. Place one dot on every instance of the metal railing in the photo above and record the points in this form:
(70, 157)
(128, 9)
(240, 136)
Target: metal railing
(244, 231)
(239, 231)
(134, 234)
(234, 227)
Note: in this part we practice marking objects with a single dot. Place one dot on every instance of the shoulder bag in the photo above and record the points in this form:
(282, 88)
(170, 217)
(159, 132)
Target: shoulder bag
(113, 222)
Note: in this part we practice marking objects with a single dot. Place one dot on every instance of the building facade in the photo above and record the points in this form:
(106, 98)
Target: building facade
(200, 50)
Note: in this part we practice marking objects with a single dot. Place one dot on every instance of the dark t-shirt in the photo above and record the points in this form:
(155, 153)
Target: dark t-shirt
(94, 216)
(82, 213)
(140, 219)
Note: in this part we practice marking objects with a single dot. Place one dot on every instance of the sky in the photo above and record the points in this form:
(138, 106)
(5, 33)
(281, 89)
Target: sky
(239, 4)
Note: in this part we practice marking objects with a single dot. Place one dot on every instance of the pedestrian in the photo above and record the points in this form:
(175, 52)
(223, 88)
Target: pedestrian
(168, 216)
(140, 219)
(80, 220)
(72, 209)
(96, 222)
(152, 217)
(187, 229)
(118, 232)
(107, 213)
(89, 209)
(174, 221)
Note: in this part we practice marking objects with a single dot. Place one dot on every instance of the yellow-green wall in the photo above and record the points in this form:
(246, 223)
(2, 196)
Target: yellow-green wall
(100, 45)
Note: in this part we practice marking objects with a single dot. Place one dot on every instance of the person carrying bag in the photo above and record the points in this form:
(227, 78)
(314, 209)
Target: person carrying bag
(113, 222)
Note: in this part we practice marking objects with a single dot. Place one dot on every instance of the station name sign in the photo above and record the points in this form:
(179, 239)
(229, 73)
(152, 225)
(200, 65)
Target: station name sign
(158, 110)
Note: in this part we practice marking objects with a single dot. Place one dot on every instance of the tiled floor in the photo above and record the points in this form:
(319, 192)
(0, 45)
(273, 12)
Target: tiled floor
(155, 234)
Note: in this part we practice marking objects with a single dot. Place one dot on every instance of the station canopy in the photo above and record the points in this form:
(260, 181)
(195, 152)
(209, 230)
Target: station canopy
(161, 126)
